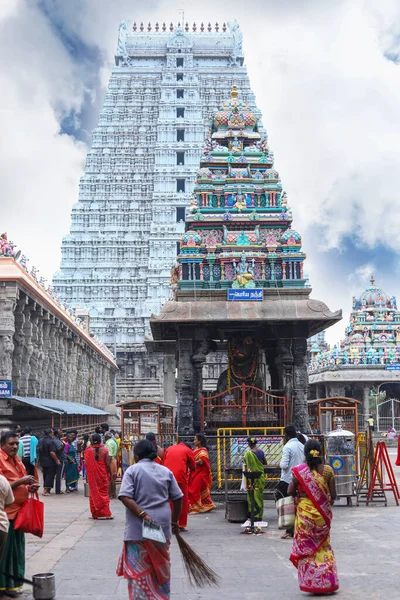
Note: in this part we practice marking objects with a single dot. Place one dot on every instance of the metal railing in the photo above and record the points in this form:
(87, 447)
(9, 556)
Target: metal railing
(245, 406)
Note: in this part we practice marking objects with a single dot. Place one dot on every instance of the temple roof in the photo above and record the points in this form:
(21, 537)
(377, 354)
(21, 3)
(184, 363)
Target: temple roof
(238, 226)
(313, 314)
(372, 336)
(373, 297)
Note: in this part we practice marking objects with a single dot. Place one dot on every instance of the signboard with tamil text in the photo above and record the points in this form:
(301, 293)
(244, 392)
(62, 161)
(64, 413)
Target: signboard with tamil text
(392, 367)
(247, 295)
(5, 388)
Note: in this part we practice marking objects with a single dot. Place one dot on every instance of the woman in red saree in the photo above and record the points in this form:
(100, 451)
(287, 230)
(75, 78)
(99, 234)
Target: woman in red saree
(200, 479)
(398, 452)
(98, 474)
(312, 554)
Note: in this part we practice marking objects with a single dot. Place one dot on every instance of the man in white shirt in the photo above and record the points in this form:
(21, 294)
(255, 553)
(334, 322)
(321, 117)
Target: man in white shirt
(6, 498)
(292, 455)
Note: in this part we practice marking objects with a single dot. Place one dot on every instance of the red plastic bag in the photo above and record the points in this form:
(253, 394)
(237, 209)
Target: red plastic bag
(30, 517)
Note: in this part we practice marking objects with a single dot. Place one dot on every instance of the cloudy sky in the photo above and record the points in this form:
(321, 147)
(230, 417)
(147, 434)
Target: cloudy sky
(326, 77)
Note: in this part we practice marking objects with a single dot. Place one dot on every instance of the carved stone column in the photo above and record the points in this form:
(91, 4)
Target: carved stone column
(33, 379)
(41, 354)
(366, 407)
(300, 385)
(19, 343)
(84, 377)
(61, 359)
(169, 368)
(198, 359)
(52, 353)
(26, 359)
(185, 387)
(46, 324)
(70, 365)
(284, 363)
(8, 299)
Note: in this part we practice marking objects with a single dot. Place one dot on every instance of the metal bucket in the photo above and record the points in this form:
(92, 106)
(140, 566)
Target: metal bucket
(236, 511)
(47, 589)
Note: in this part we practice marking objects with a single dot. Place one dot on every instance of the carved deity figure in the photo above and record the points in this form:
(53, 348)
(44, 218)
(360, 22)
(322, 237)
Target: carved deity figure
(237, 51)
(244, 357)
(235, 145)
(5, 246)
(121, 47)
(193, 205)
(6, 353)
(243, 273)
(174, 276)
(240, 200)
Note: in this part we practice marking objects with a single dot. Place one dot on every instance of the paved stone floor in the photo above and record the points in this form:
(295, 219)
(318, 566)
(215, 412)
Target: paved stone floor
(83, 554)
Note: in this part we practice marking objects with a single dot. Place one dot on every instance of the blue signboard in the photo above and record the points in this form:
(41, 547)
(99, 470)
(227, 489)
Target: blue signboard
(392, 367)
(5, 389)
(249, 295)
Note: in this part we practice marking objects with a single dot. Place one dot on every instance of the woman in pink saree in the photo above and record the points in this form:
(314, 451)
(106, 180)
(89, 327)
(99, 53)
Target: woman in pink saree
(312, 555)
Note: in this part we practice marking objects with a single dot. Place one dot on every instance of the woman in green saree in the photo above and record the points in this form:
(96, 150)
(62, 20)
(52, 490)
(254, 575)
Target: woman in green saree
(71, 468)
(254, 460)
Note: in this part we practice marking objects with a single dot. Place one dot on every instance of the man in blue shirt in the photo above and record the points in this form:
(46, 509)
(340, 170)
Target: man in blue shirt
(292, 455)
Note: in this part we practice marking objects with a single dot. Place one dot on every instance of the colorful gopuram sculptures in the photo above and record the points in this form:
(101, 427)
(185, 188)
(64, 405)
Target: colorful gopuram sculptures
(372, 336)
(238, 226)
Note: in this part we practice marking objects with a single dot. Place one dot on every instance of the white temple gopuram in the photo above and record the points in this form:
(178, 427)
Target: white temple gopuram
(166, 83)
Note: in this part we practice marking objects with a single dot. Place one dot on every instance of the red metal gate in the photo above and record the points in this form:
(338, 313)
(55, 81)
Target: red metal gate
(243, 406)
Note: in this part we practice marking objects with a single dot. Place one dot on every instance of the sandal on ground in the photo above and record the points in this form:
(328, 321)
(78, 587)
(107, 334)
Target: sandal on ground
(286, 536)
(46, 494)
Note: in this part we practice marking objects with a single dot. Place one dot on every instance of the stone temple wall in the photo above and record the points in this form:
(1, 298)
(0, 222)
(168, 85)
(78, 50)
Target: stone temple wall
(42, 351)
(138, 180)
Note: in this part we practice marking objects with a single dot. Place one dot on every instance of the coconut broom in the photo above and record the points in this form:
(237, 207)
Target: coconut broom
(199, 573)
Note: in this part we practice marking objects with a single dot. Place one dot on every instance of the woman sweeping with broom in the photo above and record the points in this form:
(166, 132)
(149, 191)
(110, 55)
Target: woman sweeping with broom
(146, 490)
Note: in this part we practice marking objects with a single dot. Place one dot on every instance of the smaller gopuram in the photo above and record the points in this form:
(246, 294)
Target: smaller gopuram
(367, 358)
(46, 350)
(239, 283)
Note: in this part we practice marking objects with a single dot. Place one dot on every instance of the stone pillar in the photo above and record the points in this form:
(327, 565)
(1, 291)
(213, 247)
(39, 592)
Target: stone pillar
(169, 368)
(198, 359)
(185, 387)
(26, 359)
(46, 323)
(33, 379)
(52, 352)
(366, 408)
(300, 385)
(41, 354)
(8, 301)
(284, 363)
(19, 343)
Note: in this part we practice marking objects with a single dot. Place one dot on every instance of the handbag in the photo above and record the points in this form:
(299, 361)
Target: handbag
(30, 517)
(286, 508)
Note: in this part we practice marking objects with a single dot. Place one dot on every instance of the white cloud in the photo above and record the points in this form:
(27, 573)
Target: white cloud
(40, 169)
(328, 95)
